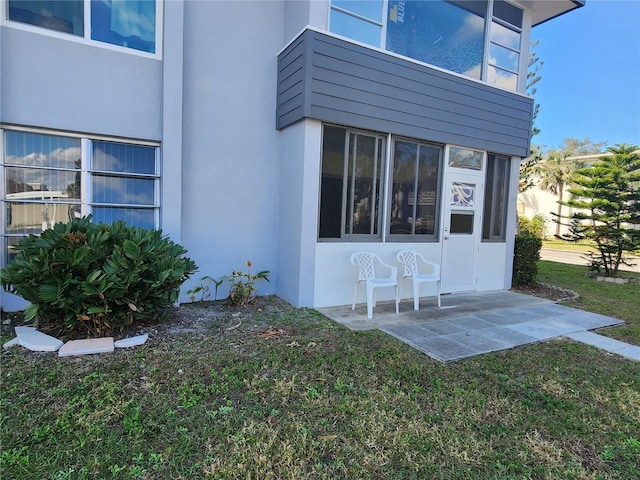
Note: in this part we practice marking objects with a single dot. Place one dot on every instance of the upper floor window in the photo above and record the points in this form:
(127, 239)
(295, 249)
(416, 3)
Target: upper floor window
(480, 39)
(446, 34)
(359, 20)
(125, 23)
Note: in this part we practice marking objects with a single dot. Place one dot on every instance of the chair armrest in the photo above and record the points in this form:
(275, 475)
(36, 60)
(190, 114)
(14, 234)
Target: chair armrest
(433, 265)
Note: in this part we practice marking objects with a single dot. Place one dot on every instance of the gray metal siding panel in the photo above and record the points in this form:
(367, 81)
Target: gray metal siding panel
(360, 87)
(291, 84)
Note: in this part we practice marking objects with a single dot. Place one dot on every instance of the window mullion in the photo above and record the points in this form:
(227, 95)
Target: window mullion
(416, 170)
(87, 19)
(345, 185)
(487, 41)
(352, 184)
(385, 19)
(85, 183)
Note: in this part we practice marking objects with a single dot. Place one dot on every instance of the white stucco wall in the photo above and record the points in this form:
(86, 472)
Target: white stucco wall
(79, 87)
(298, 212)
(336, 277)
(537, 201)
(231, 149)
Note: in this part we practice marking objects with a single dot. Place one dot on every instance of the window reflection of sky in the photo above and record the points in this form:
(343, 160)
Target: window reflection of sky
(138, 217)
(121, 190)
(438, 33)
(351, 27)
(371, 9)
(117, 157)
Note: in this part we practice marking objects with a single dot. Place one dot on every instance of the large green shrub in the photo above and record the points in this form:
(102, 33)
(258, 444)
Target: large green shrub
(525, 259)
(96, 278)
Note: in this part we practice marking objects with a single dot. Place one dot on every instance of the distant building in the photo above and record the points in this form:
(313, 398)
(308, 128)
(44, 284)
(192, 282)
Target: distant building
(289, 133)
(538, 201)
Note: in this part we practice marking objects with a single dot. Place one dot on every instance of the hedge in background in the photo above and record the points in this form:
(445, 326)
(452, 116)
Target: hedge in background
(525, 259)
(96, 279)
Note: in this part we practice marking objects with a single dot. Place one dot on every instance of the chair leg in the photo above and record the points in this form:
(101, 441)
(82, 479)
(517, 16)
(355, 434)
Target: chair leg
(370, 301)
(397, 299)
(416, 296)
(438, 291)
(355, 294)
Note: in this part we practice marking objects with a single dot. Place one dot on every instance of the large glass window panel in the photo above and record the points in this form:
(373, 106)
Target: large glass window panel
(427, 190)
(121, 158)
(371, 9)
(496, 193)
(403, 195)
(350, 190)
(45, 178)
(363, 185)
(40, 184)
(60, 15)
(355, 28)
(128, 23)
(122, 190)
(139, 217)
(414, 189)
(25, 148)
(332, 181)
(449, 35)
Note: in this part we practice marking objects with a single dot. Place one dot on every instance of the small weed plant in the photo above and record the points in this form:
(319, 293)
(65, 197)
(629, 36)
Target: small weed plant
(243, 285)
(204, 290)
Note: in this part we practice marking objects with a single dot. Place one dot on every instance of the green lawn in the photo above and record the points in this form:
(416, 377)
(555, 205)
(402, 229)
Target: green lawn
(323, 402)
(555, 244)
(615, 300)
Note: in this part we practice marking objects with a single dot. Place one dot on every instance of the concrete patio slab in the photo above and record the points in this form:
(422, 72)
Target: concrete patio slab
(473, 323)
(606, 343)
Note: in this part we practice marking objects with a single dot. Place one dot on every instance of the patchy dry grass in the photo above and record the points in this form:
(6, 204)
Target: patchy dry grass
(210, 397)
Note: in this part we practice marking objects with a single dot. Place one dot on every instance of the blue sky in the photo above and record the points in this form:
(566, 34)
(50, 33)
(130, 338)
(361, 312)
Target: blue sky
(590, 83)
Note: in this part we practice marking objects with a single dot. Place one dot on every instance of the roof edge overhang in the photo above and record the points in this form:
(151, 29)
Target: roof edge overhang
(545, 10)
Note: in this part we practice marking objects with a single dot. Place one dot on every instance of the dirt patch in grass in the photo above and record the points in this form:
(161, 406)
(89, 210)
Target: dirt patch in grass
(197, 317)
(550, 292)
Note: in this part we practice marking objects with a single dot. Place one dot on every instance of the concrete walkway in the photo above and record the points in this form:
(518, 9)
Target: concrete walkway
(474, 323)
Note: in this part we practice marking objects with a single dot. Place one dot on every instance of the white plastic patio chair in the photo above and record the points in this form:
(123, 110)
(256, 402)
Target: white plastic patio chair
(367, 274)
(412, 262)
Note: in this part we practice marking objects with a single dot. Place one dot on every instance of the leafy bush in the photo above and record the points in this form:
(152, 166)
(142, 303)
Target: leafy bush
(96, 278)
(525, 259)
(535, 226)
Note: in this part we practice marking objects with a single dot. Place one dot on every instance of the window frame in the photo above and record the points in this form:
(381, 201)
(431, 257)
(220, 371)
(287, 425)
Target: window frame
(86, 39)
(415, 237)
(383, 234)
(85, 202)
(490, 18)
(348, 209)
